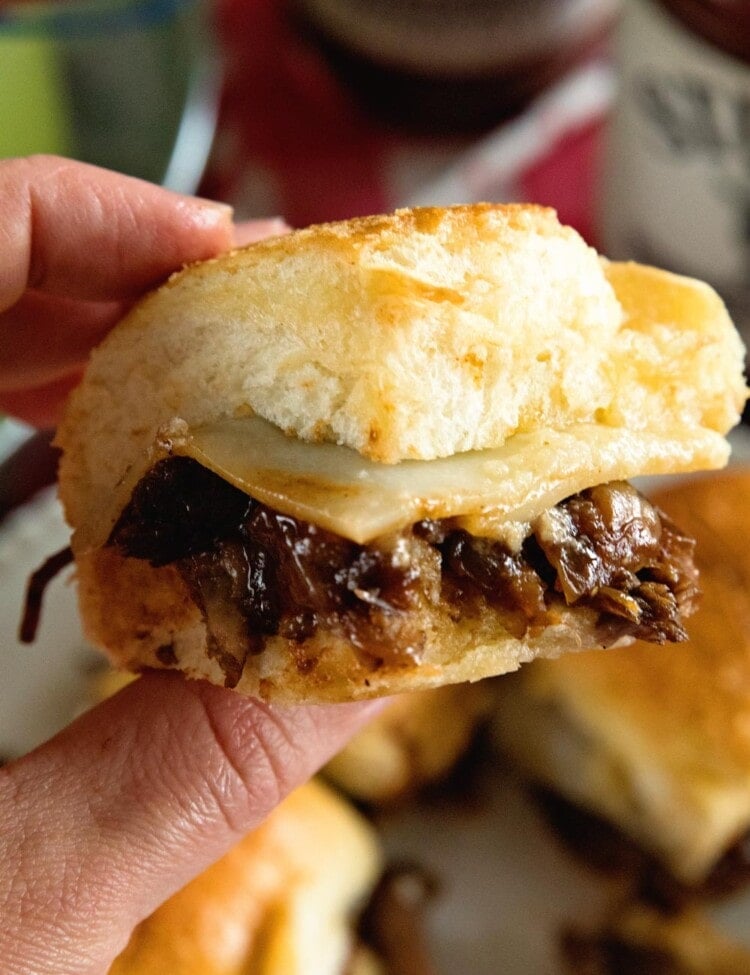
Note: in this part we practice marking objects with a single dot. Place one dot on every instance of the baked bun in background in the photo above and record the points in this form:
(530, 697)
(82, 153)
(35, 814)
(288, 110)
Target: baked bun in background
(284, 901)
(639, 938)
(416, 741)
(656, 743)
(340, 463)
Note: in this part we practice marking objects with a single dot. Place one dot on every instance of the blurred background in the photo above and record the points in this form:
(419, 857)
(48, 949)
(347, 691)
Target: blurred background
(629, 116)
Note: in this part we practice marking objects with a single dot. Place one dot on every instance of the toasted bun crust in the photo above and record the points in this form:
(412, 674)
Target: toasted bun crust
(282, 902)
(658, 740)
(413, 335)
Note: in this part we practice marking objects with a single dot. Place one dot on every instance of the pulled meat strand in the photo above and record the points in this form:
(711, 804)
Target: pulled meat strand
(256, 572)
(35, 590)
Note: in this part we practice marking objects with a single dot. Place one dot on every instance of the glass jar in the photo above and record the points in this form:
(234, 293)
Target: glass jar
(445, 67)
(675, 187)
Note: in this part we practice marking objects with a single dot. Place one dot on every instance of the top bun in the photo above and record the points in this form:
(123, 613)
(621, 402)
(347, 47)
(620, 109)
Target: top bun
(415, 335)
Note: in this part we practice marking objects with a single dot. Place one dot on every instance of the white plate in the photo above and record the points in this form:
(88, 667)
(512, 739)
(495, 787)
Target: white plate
(42, 683)
(507, 888)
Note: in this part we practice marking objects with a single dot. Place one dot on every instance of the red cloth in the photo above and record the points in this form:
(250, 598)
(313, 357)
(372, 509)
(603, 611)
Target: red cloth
(292, 142)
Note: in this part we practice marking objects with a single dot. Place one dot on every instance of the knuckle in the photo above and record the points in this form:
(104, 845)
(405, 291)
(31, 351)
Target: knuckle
(258, 762)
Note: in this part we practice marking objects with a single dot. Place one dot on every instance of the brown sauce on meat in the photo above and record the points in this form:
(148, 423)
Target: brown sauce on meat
(257, 573)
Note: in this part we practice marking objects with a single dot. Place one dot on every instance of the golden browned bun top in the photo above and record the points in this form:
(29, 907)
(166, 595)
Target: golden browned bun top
(282, 902)
(419, 334)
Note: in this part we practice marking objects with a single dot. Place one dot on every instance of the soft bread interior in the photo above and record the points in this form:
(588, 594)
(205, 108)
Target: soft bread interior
(284, 901)
(417, 335)
(657, 740)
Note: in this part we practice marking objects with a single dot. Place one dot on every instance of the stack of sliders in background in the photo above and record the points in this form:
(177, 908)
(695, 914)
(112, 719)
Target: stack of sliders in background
(641, 757)
(390, 454)
(639, 939)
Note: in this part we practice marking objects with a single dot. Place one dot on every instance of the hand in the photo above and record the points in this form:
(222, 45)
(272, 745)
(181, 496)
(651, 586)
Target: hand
(109, 818)
(77, 246)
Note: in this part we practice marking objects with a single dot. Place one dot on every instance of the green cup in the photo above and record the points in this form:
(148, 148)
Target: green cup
(131, 85)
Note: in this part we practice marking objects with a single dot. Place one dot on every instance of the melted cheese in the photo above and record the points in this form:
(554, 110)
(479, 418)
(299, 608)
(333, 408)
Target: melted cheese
(491, 491)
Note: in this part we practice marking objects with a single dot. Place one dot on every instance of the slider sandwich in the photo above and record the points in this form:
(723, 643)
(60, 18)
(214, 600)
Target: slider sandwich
(391, 453)
(649, 751)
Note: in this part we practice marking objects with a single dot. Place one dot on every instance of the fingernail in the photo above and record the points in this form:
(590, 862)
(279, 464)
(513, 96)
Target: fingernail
(277, 224)
(214, 204)
(210, 213)
(250, 231)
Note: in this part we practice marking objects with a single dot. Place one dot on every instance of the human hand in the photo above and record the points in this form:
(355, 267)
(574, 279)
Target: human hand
(109, 818)
(79, 245)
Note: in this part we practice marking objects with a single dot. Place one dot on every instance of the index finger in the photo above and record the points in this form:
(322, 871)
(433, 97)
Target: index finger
(112, 816)
(72, 229)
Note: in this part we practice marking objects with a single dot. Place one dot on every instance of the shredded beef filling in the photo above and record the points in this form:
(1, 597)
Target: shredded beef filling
(257, 573)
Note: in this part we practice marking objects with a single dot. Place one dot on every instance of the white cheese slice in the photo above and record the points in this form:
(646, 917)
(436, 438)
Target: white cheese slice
(339, 490)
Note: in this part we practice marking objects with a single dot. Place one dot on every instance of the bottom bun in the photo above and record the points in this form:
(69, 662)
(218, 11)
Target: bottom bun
(145, 617)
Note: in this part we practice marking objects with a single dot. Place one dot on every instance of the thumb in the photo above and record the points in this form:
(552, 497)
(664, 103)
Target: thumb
(109, 818)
